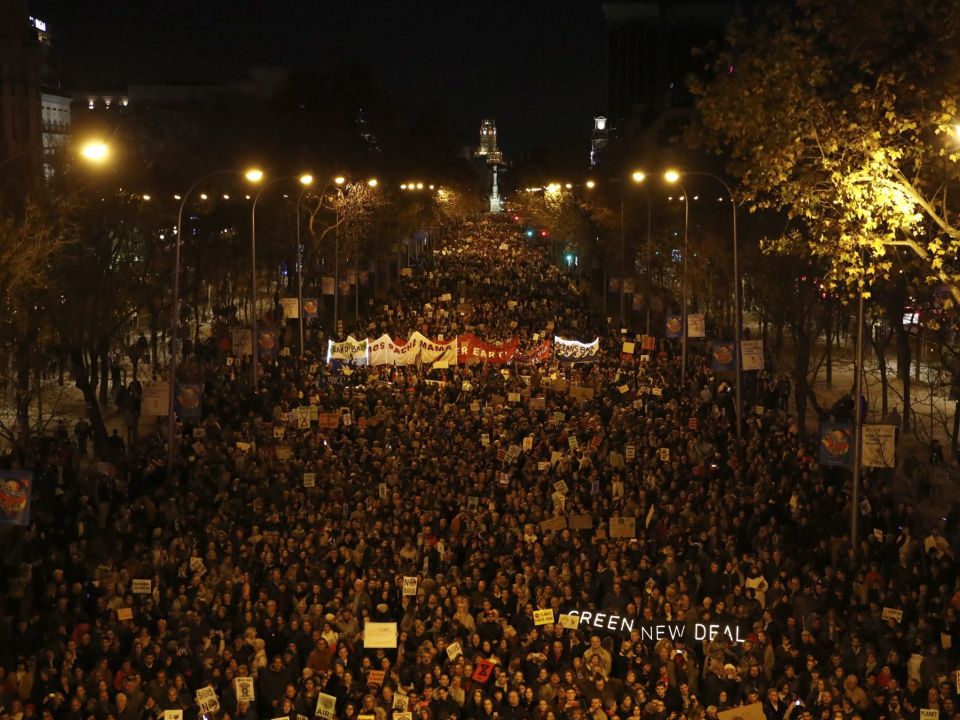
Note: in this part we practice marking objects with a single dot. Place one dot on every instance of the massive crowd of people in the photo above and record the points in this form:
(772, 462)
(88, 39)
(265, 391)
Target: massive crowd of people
(273, 544)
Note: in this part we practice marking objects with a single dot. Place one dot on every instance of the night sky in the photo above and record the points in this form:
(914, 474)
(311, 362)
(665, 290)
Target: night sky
(537, 66)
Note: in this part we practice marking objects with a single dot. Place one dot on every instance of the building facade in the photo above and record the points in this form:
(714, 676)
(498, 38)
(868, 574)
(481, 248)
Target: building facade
(21, 145)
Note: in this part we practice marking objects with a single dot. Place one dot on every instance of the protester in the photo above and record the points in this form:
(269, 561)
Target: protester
(493, 485)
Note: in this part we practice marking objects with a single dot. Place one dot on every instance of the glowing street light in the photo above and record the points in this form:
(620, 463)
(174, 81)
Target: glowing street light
(146, 197)
(339, 179)
(372, 182)
(419, 186)
(638, 176)
(254, 175)
(403, 186)
(306, 179)
(591, 184)
(672, 177)
(95, 151)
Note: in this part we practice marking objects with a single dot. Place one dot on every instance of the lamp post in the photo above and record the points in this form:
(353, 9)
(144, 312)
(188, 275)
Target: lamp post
(306, 180)
(672, 176)
(175, 321)
(738, 305)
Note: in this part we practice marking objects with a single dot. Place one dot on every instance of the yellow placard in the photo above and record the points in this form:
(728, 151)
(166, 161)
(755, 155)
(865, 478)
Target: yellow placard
(570, 622)
(543, 617)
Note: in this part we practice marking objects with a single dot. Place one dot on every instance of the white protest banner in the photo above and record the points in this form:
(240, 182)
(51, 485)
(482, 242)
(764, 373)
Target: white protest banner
(379, 635)
(409, 586)
(751, 354)
(326, 706)
(696, 326)
(575, 351)
(351, 350)
(243, 686)
(454, 651)
(173, 715)
(878, 446)
(631, 452)
(894, 614)
(141, 587)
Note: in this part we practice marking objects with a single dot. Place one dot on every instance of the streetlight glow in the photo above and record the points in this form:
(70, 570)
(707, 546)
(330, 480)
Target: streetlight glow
(203, 196)
(96, 151)
(639, 176)
(591, 184)
(419, 186)
(568, 186)
(372, 182)
(403, 186)
(306, 179)
(226, 196)
(671, 176)
(254, 175)
(146, 197)
(339, 179)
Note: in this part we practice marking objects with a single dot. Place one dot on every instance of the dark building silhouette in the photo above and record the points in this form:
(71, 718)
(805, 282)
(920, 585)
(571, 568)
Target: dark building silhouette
(21, 145)
(649, 54)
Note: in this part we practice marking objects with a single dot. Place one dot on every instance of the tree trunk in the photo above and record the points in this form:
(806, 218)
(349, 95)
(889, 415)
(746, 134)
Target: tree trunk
(104, 378)
(800, 367)
(24, 358)
(154, 342)
(828, 334)
(82, 376)
(903, 368)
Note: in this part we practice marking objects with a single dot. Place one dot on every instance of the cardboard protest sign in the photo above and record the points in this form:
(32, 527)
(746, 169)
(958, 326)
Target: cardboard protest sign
(380, 634)
(376, 677)
(616, 460)
(207, 700)
(631, 451)
(124, 614)
(309, 479)
(561, 486)
(141, 586)
(243, 686)
(328, 421)
(878, 446)
(543, 617)
(454, 651)
(929, 714)
(173, 715)
(628, 348)
(891, 614)
(623, 527)
(581, 522)
(326, 705)
(528, 443)
(570, 622)
(753, 711)
(482, 671)
(665, 454)
(410, 586)
(401, 702)
(553, 524)
(573, 442)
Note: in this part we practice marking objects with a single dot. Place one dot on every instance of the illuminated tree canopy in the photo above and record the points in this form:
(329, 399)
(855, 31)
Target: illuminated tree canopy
(843, 115)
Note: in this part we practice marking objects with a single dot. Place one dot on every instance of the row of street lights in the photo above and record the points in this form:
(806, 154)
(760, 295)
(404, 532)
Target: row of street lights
(98, 152)
(674, 177)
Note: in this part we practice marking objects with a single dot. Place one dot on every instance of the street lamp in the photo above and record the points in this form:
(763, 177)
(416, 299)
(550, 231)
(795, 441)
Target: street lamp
(306, 180)
(175, 321)
(673, 177)
(95, 151)
(738, 308)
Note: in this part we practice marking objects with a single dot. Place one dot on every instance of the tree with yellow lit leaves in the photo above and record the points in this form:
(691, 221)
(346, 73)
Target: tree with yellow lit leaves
(842, 115)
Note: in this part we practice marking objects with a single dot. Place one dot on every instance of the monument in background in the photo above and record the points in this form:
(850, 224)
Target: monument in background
(489, 152)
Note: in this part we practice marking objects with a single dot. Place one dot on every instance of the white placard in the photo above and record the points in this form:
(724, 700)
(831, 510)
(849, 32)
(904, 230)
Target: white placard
(244, 689)
(878, 446)
(409, 587)
(326, 706)
(892, 614)
(696, 326)
(380, 635)
(751, 354)
(141, 587)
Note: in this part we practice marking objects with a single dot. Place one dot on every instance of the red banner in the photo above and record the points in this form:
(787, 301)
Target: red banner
(473, 349)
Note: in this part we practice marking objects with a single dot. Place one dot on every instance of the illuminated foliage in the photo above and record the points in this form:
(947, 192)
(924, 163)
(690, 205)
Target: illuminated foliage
(842, 116)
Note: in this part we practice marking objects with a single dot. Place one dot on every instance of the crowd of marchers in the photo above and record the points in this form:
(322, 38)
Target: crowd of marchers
(272, 545)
